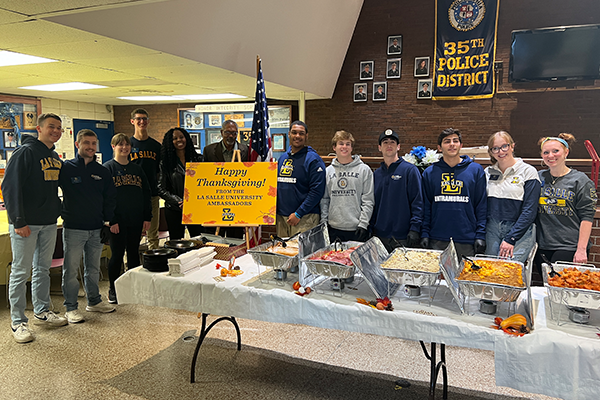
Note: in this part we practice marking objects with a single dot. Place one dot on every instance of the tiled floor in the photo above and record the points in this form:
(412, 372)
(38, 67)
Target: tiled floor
(106, 357)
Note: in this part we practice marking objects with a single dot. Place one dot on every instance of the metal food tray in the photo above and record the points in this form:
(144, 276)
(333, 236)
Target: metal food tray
(411, 277)
(367, 258)
(583, 298)
(330, 268)
(492, 291)
(261, 256)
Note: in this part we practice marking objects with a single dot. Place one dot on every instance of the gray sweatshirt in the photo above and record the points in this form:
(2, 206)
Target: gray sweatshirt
(348, 200)
(564, 203)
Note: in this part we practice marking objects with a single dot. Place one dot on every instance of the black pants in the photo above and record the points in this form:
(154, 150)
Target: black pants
(128, 239)
(462, 249)
(176, 228)
(552, 256)
(344, 236)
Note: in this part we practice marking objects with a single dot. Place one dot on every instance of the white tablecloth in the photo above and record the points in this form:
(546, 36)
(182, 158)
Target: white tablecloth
(560, 361)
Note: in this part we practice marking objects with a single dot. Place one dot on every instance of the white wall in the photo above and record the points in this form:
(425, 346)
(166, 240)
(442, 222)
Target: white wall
(80, 110)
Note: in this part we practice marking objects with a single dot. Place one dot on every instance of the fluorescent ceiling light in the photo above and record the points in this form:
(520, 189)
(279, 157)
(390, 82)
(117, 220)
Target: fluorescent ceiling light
(148, 98)
(60, 87)
(216, 96)
(8, 58)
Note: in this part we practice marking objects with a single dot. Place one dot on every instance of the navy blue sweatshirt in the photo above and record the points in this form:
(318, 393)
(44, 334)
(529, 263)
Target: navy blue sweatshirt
(89, 194)
(398, 200)
(30, 185)
(133, 194)
(146, 153)
(300, 182)
(454, 201)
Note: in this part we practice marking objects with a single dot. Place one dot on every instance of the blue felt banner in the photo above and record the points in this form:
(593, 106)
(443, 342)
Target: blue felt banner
(465, 49)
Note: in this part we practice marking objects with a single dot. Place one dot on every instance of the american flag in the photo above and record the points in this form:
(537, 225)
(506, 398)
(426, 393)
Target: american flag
(261, 136)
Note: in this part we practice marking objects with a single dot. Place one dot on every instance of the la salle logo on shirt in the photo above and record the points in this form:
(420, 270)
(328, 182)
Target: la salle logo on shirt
(287, 168)
(396, 177)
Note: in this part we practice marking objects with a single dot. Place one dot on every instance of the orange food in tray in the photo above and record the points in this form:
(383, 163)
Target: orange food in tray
(494, 271)
(575, 279)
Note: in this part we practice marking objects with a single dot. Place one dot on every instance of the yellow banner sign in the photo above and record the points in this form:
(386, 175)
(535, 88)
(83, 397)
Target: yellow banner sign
(230, 193)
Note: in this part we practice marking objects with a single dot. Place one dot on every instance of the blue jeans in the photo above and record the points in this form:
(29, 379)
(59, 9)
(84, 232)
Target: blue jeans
(33, 252)
(77, 243)
(496, 231)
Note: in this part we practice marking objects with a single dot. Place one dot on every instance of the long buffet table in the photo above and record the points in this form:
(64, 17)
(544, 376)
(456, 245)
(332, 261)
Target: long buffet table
(560, 360)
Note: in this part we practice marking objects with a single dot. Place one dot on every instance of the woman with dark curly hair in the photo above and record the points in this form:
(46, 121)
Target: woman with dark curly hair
(177, 149)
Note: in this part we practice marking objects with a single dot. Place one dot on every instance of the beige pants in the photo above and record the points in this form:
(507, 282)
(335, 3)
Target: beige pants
(286, 230)
(153, 231)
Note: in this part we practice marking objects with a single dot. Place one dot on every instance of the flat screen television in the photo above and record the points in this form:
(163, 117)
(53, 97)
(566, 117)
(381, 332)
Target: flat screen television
(550, 54)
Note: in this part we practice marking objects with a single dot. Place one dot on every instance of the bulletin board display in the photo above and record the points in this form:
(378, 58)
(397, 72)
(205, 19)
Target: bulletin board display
(204, 122)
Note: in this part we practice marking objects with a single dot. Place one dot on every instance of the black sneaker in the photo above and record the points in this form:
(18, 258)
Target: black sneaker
(112, 296)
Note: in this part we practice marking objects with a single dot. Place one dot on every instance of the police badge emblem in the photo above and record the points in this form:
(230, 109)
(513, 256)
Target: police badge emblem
(465, 15)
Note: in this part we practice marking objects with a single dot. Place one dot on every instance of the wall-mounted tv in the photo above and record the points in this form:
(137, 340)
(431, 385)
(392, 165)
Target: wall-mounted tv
(550, 54)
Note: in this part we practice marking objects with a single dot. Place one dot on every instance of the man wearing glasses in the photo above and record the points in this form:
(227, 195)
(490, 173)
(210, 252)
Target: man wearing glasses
(145, 151)
(454, 200)
(30, 190)
(222, 151)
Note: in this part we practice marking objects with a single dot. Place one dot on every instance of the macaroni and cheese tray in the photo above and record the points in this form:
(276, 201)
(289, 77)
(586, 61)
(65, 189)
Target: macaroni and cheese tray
(417, 267)
(492, 279)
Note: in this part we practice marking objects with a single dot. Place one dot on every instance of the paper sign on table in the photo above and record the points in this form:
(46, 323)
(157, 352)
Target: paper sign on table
(230, 193)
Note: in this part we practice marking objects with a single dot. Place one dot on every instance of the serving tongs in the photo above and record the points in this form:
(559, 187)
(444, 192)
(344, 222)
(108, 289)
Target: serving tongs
(338, 243)
(401, 245)
(283, 242)
(552, 272)
(473, 265)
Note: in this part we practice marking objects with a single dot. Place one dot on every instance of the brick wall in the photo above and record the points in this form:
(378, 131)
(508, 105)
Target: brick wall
(534, 110)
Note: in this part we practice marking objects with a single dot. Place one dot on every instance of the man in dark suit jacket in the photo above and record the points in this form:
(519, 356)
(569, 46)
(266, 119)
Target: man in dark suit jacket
(393, 71)
(425, 91)
(395, 47)
(360, 95)
(366, 73)
(223, 151)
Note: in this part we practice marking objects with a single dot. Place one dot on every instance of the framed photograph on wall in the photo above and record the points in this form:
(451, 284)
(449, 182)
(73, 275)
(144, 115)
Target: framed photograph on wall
(393, 68)
(394, 45)
(360, 92)
(195, 139)
(214, 120)
(424, 89)
(193, 120)
(366, 70)
(213, 136)
(9, 139)
(379, 91)
(278, 141)
(421, 66)
(8, 154)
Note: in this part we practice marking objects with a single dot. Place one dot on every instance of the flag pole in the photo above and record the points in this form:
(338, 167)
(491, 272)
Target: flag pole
(257, 64)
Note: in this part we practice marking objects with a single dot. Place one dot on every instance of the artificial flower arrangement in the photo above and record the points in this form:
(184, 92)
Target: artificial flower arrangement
(422, 157)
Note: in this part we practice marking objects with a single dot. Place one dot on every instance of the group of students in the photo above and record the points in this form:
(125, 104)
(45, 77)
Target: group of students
(502, 211)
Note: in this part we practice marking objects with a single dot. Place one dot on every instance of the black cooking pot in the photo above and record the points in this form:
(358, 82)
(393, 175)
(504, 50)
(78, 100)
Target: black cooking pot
(182, 246)
(156, 260)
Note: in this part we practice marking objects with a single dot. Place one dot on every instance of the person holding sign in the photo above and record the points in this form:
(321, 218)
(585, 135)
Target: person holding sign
(347, 204)
(223, 151)
(133, 212)
(300, 184)
(177, 150)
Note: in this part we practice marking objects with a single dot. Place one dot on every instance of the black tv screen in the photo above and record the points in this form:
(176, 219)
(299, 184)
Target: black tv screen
(561, 53)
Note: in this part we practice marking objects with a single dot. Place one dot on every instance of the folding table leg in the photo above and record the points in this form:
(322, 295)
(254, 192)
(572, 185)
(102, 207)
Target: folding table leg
(435, 369)
(204, 331)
